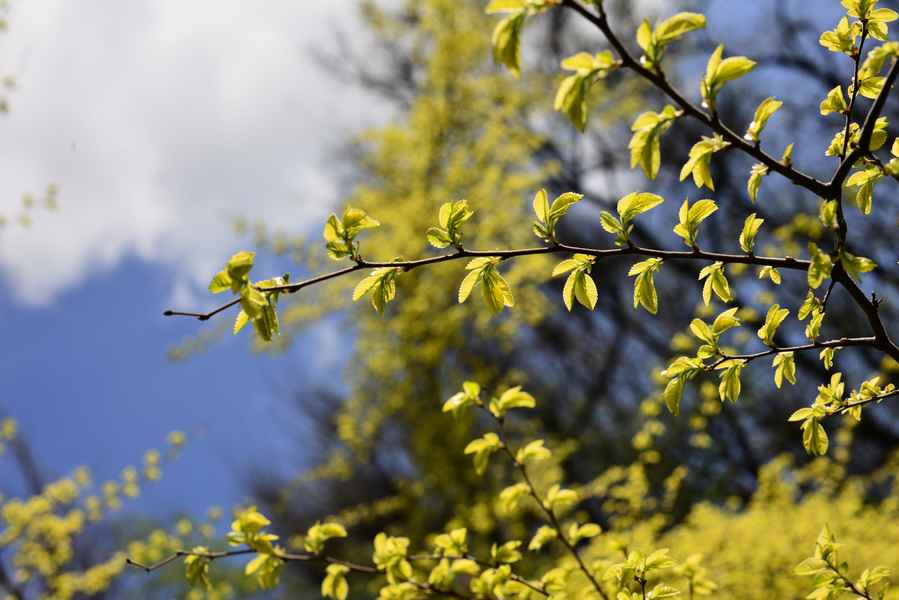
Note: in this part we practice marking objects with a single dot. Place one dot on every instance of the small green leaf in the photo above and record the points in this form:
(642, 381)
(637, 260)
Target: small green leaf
(784, 368)
(507, 42)
(691, 217)
(820, 268)
(750, 230)
(765, 110)
(773, 320)
(644, 286)
(834, 102)
(715, 281)
(756, 175)
(699, 162)
(645, 144)
(729, 387)
(636, 203)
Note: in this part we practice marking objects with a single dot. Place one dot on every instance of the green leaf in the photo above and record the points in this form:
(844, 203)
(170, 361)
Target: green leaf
(511, 398)
(653, 42)
(703, 332)
(614, 226)
(636, 203)
(645, 144)
(725, 321)
(784, 368)
(511, 496)
(541, 205)
(827, 356)
(507, 42)
(582, 61)
(814, 437)
(335, 585)
(729, 387)
(715, 281)
(691, 217)
(719, 72)
(674, 27)
(820, 268)
(450, 217)
(699, 162)
(533, 451)
(381, 284)
(814, 325)
(240, 264)
(469, 395)
(495, 289)
(559, 499)
(355, 220)
(834, 102)
(771, 273)
(756, 175)
(674, 391)
(733, 68)
(220, 283)
(644, 286)
(865, 180)
(506, 553)
(196, 567)
(318, 535)
(467, 285)
(773, 320)
(241, 321)
(560, 206)
(579, 283)
(584, 289)
(438, 237)
(503, 6)
(750, 230)
(482, 448)
(765, 110)
(571, 99)
(842, 38)
(544, 535)
(856, 265)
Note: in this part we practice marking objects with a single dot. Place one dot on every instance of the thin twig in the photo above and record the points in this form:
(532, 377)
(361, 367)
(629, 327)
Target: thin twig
(408, 265)
(840, 343)
(847, 407)
(548, 511)
(658, 80)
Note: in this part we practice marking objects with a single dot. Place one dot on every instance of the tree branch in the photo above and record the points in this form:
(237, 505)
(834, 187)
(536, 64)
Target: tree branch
(548, 511)
(658, 80)
(787, 262)
(285, 556)
(847, 407)
(839, 343)
(864, 141)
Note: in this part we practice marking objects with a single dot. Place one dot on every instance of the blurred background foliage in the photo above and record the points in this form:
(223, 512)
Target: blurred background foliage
(729, 482)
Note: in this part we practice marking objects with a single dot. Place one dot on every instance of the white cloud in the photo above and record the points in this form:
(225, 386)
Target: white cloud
(160, 121)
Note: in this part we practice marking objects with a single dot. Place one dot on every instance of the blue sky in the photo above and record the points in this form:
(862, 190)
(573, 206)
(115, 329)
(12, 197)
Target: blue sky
(160, 122)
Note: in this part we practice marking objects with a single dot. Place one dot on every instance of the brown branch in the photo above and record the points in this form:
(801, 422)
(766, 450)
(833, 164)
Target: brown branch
(832, 189)
(838, 343)
(864, 140)
(710, 120)
(856, 59)
(787, 262)
(285, 556)
(550, 514)
(871, 308)
(847, 407)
